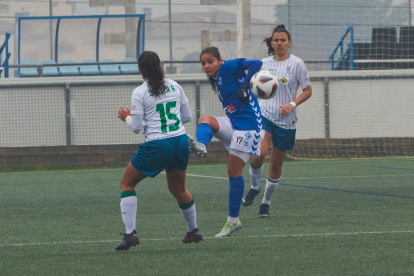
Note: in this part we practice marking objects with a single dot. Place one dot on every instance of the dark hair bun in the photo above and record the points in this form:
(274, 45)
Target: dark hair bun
(280, 27)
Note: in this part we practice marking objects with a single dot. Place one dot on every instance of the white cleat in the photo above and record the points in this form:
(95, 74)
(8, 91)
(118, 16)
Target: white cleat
(197, 147)
(228, 229)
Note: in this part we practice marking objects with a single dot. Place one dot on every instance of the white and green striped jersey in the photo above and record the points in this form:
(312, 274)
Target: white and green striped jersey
(162, 118)
(291, 73)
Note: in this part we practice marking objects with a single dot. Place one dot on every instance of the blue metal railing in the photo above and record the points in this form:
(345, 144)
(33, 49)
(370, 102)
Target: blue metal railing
(5, 64)
(350, 50)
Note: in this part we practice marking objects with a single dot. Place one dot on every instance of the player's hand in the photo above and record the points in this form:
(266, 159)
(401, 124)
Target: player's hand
(123, 113)
(243, 94)
(286, 109)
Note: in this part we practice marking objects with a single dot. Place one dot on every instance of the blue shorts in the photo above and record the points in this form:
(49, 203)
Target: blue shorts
(283, 139)
(154, 156)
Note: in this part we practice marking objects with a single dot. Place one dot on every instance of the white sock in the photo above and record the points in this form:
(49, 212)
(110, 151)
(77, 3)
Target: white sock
(190, 217)
(232, 219)
(255, 177)
(271, 186)
(129, 212)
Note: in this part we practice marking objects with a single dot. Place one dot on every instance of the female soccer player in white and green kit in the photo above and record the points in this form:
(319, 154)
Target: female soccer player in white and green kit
(279, 115)
(160, 107)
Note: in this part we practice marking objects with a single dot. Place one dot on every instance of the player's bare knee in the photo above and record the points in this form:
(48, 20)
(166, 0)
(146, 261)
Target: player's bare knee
(204, 120)
(257, 161)
(127, 185)
(234, 171)
(177, 191)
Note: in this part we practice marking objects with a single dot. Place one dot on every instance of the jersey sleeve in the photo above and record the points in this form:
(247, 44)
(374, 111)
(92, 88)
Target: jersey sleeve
(239, 65)
(137, 103)
(185, 112)
(303, 75)
(136, 122)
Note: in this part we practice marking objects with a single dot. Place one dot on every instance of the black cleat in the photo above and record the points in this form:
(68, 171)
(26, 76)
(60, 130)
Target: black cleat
(193, 236)
(248, 199)
(264, 211)
(128, 241)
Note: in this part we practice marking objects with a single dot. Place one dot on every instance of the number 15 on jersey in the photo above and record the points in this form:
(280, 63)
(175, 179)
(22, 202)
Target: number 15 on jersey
(171, 116)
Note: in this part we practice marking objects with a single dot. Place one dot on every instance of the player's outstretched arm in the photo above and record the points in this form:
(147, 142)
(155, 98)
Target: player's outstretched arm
(252, 66)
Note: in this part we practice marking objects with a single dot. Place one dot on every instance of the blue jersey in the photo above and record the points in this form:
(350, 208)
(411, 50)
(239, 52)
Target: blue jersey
(229, 79)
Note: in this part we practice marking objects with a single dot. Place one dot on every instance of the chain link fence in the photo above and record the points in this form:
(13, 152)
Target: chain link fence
(178, 30)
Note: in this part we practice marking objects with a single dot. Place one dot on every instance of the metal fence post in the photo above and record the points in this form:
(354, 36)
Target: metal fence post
(197, 98)
(327, 130)
(6, 62)
(67, 116)
(40, 70)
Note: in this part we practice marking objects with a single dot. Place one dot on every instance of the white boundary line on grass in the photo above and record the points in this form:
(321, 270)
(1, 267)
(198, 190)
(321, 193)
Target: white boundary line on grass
(299, 162)
(316, 177)
(210, 238)
(315, 161)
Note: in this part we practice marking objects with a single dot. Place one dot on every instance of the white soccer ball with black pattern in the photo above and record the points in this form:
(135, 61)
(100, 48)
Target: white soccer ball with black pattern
(264, 85)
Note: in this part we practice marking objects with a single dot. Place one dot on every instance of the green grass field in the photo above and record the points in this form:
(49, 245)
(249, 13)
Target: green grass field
(328, 217)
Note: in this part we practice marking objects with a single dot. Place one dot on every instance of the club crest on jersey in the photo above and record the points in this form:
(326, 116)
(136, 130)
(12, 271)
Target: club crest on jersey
(283, 80)
(230, 108)
(288, 69)
(248, 135)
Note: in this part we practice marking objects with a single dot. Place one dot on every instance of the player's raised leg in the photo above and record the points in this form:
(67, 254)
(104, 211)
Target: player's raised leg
(128, 205)
(207, 127)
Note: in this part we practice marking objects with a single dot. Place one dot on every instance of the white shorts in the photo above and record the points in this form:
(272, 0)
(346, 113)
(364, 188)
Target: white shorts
(242, 143)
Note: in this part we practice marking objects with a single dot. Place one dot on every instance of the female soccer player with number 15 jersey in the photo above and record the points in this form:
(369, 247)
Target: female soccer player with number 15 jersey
(159, 106)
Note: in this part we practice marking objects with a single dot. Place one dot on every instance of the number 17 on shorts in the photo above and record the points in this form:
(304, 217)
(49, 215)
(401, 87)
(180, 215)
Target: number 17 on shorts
(247, 141)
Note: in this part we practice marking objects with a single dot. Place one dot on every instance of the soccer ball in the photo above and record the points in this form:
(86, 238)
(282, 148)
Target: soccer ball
(264, 84)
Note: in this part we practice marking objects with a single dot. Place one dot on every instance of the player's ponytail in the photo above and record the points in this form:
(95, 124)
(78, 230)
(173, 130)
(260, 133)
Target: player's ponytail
(268, 40)
(215, 52)
(150, 65)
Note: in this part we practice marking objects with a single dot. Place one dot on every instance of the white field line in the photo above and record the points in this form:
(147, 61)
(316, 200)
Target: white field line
(299, 162)
(316, 177)
(348, 160)
(321, 161)
(210, 238)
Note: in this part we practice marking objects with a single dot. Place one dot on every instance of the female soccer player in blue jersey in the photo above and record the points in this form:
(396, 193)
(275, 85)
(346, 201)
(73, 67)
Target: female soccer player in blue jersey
(240, 132)
(160, 107)
(279, 115)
